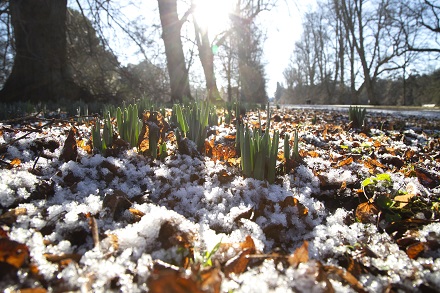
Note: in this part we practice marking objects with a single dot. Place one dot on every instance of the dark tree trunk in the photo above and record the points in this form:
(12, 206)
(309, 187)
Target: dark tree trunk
(40, 69)
(171, 27)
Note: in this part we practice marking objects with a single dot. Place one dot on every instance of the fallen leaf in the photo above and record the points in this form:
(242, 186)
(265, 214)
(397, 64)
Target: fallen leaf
(225, 177)
(15, 163)
(13, 252)
(301, 255)
(32, 290)
(70, 149)
(11, 216)
(346, 276)
(3, 233)
(137, 214)
(171, 281)
(85, 146)
(414, 250)
(248, 215)
(60, 257)
(345, 162)
(293, 202)
(367, 212)
(403, 200)
(211, 280)
(426, 178)
(116, 203)
(238, 264)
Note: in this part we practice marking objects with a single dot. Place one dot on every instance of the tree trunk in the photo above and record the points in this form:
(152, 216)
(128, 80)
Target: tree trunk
(171, 27)
(40, 70)
(207, 60)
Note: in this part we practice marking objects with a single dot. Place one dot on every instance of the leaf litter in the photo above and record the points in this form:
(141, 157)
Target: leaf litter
(357, 212)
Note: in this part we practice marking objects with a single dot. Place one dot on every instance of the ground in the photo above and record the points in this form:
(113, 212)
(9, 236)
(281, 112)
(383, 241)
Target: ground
(357, 212)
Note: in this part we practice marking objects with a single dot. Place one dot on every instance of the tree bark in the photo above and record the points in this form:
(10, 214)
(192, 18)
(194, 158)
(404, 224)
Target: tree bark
(40, 70)
(171, 29)
(207, 60)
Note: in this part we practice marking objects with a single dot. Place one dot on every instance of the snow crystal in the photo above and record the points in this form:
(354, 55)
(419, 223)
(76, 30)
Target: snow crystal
(16, 184)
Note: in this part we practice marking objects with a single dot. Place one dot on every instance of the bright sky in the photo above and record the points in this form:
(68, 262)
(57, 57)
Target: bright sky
(283, 25)
(284, 28)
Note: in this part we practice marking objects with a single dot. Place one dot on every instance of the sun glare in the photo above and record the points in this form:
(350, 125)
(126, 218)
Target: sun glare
(213, 15)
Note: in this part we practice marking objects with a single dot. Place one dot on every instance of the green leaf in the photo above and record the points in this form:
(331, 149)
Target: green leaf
(384, 202)
(383, 177)
(367, 182)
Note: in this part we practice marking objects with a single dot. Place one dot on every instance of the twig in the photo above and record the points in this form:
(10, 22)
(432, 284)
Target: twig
(5, 145)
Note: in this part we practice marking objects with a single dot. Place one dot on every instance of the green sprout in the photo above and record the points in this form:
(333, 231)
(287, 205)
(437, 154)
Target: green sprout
(356, 116)
(102, 142)
(129, 124)
(258, 151)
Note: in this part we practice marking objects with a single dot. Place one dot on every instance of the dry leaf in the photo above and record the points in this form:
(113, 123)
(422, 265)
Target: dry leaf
(426, 178)
(346, 276)
(211, 280)
(11, 216)
(58, 258)
(137, 214)
(345, 162)
(85, 146)
(171, 281)
(32, 290)
(15, 163)
(13, 252)
(414, 250)
(301, 255)
(293, 202)
(238, 264)
(70, 149)
(366, 212)
(248, 215)
(403, 200)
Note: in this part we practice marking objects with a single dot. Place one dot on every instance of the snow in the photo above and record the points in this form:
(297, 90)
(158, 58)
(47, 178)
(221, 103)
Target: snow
(206, 211)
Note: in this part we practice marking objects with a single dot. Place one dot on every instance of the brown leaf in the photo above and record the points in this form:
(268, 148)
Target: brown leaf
(345, 162)
(366, 212)
(171, 235)
(137, 214)
(346, 276)
(13, 252)
(354, 267)
(238, 264)
(117, 203)
(171, 281)
(403, 200)
(58, 258)
(85, 146)
(15, 163)
(245, 215)
(3, 233)
(372, 162)
(211, 280)
(225, 177)
(70, 149)
(32, 290)
(293, 202)
(414, 250)
(301, 255)
(426, 178)
(94, 229)
(11, 216)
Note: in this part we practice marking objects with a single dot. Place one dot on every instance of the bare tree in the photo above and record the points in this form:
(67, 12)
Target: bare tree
(207, 59)
(421, 23)
(40, 68)
(171, 35)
